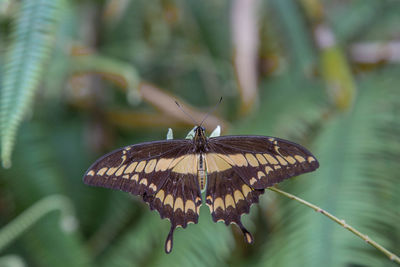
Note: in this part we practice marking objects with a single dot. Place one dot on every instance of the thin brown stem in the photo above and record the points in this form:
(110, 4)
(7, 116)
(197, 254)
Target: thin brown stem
(364, 237)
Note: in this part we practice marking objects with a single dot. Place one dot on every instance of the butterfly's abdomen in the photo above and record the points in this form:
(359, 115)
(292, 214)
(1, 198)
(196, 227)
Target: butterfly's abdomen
(201, 173)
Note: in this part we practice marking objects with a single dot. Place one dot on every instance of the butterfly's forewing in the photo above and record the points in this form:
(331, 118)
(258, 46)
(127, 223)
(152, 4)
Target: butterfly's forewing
(162, 173)
(263, 161)
(239, 168)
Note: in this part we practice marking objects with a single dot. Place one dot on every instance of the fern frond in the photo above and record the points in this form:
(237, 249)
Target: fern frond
(31, 43)
(352, 183)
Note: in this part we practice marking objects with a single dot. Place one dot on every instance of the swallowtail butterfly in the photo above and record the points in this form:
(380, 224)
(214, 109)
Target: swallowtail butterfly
(170, 175)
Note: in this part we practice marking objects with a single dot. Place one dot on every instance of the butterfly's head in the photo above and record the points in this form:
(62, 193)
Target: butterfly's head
(200, 138)
(200, 131)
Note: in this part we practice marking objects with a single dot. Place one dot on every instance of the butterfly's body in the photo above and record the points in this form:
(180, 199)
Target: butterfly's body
(170, 175)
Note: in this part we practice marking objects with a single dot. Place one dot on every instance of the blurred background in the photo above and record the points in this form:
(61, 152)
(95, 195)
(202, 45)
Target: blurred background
(81, 78)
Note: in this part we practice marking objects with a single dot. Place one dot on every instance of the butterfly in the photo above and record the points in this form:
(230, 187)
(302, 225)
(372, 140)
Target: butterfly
(170, 175)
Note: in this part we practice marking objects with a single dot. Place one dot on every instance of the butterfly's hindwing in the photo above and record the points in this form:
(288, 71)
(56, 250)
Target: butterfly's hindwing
(179, 200)
(228, 197)
(163, 173)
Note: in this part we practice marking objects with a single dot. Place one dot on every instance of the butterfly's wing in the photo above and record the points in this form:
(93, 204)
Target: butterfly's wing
(161, 172)
(239, 168)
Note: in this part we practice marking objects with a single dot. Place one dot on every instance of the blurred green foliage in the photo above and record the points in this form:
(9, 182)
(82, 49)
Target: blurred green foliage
(67, 67)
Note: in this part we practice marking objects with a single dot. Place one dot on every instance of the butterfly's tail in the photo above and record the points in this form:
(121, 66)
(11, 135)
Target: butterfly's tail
(169, 241)
(247, 235)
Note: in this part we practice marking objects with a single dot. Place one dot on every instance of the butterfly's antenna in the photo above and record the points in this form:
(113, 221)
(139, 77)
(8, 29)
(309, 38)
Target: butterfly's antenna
(187, 114)
(211, 111)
